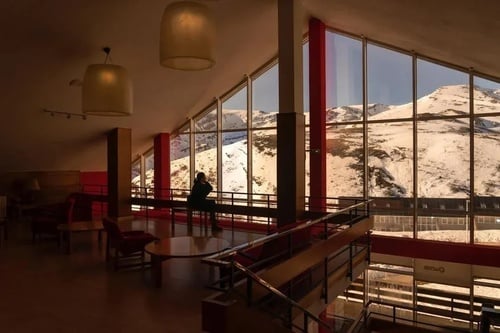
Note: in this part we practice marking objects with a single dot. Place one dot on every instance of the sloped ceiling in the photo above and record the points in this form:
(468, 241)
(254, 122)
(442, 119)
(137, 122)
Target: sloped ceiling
(46, 44)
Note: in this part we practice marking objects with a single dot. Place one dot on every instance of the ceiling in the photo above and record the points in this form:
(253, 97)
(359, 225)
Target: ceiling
(46, 44)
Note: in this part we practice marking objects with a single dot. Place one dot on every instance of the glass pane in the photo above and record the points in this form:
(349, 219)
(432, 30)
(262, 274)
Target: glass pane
(234, 111)
(486, 96)
(344, 160)
(389, 75)
(487, 180)
(390, 159)
(344, 78)
(487, 228)
(264, 161)
(443, 175)
(136, 177)
(179, 162)
(150, 169)
(206, 156)
(234, 162)
(487, 156)
(443, 158)
(441, 91)
(265, 98)
(207, 122)
(390, 167)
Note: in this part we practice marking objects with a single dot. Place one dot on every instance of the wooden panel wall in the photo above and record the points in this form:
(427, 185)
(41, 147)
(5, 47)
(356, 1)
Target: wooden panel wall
(55, 186)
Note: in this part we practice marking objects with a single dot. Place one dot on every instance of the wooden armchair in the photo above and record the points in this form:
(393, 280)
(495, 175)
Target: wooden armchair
(126, 244)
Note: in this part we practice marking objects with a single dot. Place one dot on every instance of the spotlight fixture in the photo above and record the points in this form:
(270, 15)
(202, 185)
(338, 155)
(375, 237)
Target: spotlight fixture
(106, 89)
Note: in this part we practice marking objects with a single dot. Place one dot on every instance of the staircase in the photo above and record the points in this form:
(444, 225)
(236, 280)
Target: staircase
(289, 294)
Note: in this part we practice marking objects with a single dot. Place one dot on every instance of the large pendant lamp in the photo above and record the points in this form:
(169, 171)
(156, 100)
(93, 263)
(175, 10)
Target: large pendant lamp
(187, 36)
(106, 90)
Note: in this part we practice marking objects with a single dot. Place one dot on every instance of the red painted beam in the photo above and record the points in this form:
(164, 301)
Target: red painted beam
(317, 109)
(162, 165)
(472, 254)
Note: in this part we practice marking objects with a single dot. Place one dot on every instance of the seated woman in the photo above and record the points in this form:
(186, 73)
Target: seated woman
(198, 198)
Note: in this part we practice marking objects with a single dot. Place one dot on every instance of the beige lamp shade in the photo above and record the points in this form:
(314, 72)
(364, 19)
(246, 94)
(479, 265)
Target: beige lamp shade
(106, 91)
(187, 36)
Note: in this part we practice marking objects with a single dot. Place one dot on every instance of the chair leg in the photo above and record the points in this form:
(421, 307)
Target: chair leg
(190, 219)
(107, 248)
(115, 259)
(142, 260)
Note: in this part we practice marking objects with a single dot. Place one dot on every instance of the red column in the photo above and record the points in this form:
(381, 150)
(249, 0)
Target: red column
(317, 109)
(162, 165)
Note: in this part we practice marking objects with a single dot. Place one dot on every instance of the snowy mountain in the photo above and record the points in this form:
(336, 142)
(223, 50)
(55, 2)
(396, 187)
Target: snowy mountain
(443, 148)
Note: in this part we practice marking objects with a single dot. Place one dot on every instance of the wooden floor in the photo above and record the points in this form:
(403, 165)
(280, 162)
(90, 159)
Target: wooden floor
(42, 289)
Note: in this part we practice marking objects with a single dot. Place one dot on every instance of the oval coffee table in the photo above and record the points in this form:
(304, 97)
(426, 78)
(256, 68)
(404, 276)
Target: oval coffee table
(181, 247)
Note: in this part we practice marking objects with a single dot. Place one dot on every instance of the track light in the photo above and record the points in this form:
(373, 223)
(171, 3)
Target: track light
(67, 115)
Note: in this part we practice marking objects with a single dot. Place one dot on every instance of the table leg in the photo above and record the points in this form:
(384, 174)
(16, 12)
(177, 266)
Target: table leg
(69, 242)
(99, 238)
(156, 273)
(60, 241)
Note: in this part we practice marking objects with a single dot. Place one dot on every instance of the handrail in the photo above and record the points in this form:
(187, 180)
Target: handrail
(214, 259)
(409, 308)
(278, 293)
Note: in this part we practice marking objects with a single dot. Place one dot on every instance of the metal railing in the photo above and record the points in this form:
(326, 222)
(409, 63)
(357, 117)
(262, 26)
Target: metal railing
(221, 197)
(226, 259)
(369, 313)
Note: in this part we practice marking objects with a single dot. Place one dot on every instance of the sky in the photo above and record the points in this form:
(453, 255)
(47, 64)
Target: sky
(389, 77)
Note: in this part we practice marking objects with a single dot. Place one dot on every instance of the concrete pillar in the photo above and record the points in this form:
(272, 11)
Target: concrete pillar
(119, 172)
(291, 122)
(317, 109)
(162, 165)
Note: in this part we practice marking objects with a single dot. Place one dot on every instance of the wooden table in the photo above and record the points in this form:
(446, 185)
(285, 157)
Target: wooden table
(181, 247)
(83, 226)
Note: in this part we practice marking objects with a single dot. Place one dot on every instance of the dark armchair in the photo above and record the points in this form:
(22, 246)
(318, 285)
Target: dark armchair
(126, 244)
(46, 219)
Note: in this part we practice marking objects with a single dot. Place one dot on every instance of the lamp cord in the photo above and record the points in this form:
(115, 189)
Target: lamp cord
(107, 50)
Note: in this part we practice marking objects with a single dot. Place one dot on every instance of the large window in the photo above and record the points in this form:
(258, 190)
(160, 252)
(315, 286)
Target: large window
(136, 177)
(149, 166)
(234, 141)
(344, 144)
(264, 149)
(389, 75)
(180, 160)
(487, 161)
(205, 145)
(265, 98)
(344, 130)
(443, 135)
(400, 129)
(344, 78)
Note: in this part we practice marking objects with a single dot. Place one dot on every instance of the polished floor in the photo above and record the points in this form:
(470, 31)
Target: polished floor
(42, 289)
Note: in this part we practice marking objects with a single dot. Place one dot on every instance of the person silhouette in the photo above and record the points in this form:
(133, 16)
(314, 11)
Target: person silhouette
(198, 198)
